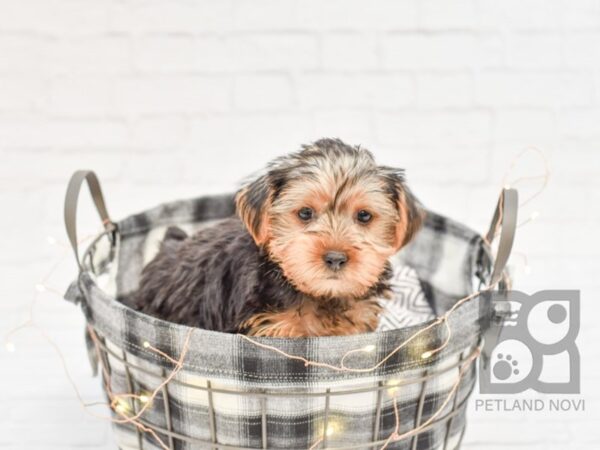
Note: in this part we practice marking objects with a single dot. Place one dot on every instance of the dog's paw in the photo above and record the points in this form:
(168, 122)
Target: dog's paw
(175, 233)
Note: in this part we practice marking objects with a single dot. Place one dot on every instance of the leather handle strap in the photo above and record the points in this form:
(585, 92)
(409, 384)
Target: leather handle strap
(71, 200)
(504, 222)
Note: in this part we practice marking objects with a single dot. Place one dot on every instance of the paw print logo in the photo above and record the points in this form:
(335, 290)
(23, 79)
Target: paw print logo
(505, 367)
(511, 363)
(536, 330)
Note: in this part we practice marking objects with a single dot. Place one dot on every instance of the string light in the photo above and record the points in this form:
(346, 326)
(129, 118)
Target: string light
(146, 398)
(121, 405)
(395, 386)
(332, 428)
(426, 355)
(545, 177)
(10, 347)
(394, 434)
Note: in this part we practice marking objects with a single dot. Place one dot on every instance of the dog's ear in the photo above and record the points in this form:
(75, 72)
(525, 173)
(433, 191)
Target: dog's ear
(252, 203)
(413, 217)
(410, 210)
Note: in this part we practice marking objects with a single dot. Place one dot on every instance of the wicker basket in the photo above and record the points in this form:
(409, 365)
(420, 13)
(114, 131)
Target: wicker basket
(175, 387)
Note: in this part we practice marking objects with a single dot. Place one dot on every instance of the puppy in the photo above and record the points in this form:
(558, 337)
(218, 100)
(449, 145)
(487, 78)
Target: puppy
(307, 254)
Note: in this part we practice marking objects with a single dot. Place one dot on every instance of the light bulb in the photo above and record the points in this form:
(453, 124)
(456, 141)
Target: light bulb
(122, 406)
(368, 348)
(394, 386)
(330, 430)
(10, 347)
(40, 287)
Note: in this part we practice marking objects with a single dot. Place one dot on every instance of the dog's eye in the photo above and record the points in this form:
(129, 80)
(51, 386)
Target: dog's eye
(364, 216)
(305, 214)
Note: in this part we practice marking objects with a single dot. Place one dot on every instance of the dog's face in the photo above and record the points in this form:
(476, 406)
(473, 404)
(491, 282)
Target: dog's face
(329, 217)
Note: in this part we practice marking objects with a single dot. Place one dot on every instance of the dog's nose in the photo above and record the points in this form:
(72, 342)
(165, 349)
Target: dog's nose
(335, 260)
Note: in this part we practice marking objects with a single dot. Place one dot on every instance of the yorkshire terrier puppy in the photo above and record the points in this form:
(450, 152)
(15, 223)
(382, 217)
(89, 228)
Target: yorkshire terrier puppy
(307, 254)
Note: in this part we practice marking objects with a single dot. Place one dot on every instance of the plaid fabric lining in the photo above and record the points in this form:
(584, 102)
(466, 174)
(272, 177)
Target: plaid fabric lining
(445, 256)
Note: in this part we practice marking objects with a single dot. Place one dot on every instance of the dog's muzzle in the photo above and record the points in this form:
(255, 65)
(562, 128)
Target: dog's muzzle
(335, 260)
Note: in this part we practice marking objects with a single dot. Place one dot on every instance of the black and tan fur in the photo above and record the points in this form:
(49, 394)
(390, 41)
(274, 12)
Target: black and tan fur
(264, 273)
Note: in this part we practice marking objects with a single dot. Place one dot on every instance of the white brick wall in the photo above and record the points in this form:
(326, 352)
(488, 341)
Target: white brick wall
(168, 99)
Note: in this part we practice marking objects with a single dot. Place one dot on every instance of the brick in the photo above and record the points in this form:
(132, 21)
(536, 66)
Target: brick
(256, 52)
(582, 50)
(325, 15)
(21, 94)
(164, 54)
(349, 51)
(577, 163)
(457, 14)
(20, 165)
(212, 54)
(533, 88)
(549, 239)
(62, 134)
(260, 52)
(583, 14)
(81, 96)
(23, 54)
(580, 123)
(280, 15)
(49, 430)
(352, 15)
(439, 198)
(445, 89)
(418, 129)
(262, 93)
(525, 124)
(141, 168)
(183, 94)
(252, 135)
(158, 133)
(386, 91)
(72, 17)
(550, 272)
(521, 438)
(97, 55)
(251, 140)
(354, 127)
(440, 51)
(540, 51)
(526, 158)
(179, 16)
(521, 14)
(459, 165)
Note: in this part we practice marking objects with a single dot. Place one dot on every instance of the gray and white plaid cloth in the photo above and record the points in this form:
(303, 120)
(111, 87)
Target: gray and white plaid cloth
(232, 393)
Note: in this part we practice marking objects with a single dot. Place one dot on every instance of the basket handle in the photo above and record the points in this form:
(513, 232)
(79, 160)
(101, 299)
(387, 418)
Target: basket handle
(71, 200)
(505, 218)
